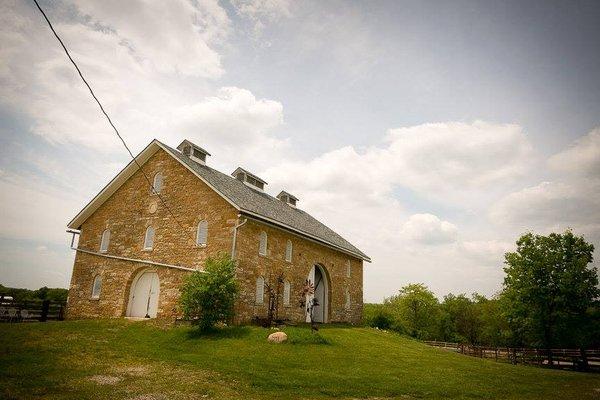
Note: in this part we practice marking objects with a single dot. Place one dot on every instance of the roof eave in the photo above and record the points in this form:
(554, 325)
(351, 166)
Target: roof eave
(113, 185)
(253, 215)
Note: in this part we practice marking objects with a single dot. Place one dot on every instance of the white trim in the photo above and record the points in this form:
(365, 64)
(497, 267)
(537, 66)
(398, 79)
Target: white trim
(289, 250)
(202, 229)
(153, 190)
(136, 260)
(146, 247)
(259, 294)
(97, 278)
(287, 293)
(251, 186)
(263, 247)
(105, 240)
(132, 288)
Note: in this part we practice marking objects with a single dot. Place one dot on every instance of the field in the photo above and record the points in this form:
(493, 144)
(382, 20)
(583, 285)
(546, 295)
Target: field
(118, 359)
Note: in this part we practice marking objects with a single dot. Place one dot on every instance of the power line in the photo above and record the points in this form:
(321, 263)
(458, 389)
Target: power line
(105, 114)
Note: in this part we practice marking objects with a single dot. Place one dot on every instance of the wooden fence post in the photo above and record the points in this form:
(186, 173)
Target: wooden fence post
(61, 312)
(45, 307)
(585, 366)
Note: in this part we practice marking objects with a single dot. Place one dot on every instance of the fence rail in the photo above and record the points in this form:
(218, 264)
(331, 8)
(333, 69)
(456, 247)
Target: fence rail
(577, 359)
(30, 310)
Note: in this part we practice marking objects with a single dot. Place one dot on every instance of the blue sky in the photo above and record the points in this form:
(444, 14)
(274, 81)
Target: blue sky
(430, 134)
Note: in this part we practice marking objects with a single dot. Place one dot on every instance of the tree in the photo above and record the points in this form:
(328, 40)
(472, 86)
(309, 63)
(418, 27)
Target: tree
(551, 289)
(416, 309)
(495, 330)
(208, 297)
(461, 319)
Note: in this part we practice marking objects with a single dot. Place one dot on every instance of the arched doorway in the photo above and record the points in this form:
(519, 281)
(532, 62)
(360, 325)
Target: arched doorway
(318, 277)
(143, 296)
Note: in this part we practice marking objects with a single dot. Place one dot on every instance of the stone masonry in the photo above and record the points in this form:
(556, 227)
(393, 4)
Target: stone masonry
(132, 208)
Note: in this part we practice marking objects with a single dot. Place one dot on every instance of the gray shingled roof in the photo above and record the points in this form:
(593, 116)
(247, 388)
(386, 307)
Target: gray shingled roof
(265, 205)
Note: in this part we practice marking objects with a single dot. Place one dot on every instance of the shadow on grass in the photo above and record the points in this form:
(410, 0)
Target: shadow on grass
(229, 332)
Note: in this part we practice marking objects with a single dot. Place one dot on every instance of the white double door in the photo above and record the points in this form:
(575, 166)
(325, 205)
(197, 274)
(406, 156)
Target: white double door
(319, 281)
(143, 301)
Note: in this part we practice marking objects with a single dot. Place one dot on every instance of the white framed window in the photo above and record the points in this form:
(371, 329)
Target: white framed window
(348, 269)
(157, 183)
(288, 251)
(149, 238)
(105, 240)
(262, 245)
(260, 290)
(202, 233)
(96, 287)
(287, 289)
(347, 305)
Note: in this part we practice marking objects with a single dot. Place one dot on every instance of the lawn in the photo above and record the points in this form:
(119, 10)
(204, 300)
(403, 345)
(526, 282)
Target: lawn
(118, 359)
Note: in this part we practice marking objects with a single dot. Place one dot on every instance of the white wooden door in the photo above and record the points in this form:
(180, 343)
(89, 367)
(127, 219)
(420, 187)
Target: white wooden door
(319, 308)
(309, 297)
(144, 297)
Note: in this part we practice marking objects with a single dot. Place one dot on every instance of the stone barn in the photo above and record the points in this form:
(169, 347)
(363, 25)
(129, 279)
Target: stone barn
(132, 255)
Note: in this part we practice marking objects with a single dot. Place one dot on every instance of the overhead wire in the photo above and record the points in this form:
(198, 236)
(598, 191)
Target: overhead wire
(106, 114)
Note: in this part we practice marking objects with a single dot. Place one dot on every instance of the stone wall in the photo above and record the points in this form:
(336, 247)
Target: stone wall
(305, 255)
(132, 208)
(127, 213)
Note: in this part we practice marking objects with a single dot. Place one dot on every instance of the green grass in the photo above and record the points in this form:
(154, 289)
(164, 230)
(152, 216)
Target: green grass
(76, 360)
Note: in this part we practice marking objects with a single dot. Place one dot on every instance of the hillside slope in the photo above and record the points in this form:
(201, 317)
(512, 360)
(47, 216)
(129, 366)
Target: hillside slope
(119, 359)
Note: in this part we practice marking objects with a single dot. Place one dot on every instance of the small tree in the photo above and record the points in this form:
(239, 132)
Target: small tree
(273, 294)
(208, 297)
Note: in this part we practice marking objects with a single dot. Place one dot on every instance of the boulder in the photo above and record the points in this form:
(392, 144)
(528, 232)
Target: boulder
(277, 337)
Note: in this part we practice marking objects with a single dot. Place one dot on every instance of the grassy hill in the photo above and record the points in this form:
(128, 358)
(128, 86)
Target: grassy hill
(119, 359)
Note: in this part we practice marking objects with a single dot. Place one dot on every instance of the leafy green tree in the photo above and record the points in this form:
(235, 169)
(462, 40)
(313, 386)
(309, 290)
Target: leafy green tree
(461, 319)
(495, 330)
(416, 309)
(208, 297)
(551, 290)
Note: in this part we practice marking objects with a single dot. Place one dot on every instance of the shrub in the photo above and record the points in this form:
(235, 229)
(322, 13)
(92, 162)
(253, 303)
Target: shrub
(208, 297)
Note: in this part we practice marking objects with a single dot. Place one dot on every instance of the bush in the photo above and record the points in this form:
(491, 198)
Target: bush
(208, 297)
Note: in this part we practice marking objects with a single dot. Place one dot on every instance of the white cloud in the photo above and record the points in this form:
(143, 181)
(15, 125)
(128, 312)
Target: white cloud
(263, 10)
(235, 124)
(582, 157)
(452, 162)
(141, 27)
(136, 69)
(552, 206)
(569, 201)
(488, 252)
(454, 157)
(428, 229)
(30, 209)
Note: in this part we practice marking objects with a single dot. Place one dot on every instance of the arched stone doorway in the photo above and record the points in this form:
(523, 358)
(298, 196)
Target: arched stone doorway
(143, 295)
(318, 278)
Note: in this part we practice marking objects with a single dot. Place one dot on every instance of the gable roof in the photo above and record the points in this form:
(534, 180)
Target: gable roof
(247, 201)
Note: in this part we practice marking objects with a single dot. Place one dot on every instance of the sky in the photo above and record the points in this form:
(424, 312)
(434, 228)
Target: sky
(430, 134)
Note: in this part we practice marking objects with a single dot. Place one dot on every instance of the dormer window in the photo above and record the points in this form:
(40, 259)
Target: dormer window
(287, 198)
(249, 179)
(193, 151)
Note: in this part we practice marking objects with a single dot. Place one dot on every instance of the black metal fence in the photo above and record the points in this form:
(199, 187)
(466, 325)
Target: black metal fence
(30, 310)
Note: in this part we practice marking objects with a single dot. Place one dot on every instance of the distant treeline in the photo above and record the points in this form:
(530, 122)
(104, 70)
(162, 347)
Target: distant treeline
(43, 293)
(550, 299)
